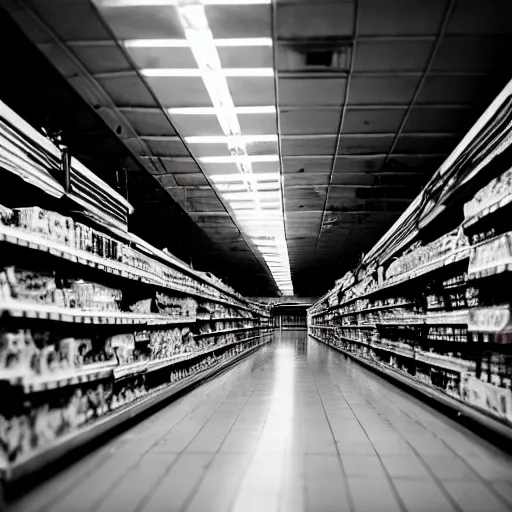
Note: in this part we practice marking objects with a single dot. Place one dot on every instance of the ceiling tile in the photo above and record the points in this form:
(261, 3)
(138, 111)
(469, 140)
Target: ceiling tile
(190, 179)
(197, 125)
(180, 91)
(162, 57)
(425, 144)
(424, 119)
(246, 57)
(71, 20)
(127, 91)
(310, 21)
(309, 121)
(100, 59)
(149, 122)
(477, 17)
(239, 20)
(311, 91)
(167, 148)
(451, 89)
(201, 150)
(341, 178)
(401, 17)
(179, 166)
(307, 165)
(371, 90)
(364, 163)
(308, 146)
(370, 144)
(373, 121)
(152, 22)
(302, 179)
(472, 53)
(392, 55)
(252, 91)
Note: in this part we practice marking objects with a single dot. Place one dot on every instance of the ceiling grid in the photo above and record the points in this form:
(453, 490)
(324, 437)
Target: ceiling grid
(342, 122)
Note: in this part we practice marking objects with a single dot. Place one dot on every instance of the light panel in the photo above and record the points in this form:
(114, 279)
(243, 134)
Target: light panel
(210, 111)
(237, 42)
(193, 72)
(160, 3)
(251, 199)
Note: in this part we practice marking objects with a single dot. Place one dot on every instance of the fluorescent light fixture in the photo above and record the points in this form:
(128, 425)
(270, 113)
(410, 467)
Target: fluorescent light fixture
(159, 3)
(236, 42)
(204, 48)
(210, 111)
(230, 178)
(237, 159)
(193, 72)
(222, 139)
(230, 187)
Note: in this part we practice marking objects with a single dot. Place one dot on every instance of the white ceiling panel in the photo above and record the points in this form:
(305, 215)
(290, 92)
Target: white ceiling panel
(167, 148)
(197, 125)
(424, 119)
(180, 91)
(127, 91)
(371, 90)
(362, 163)
(315, 21)
(471, 53)
(252, 91)
(292, 146)
(159, 57)
(239, 20)
(309, 121)
(307, 165)
(397, 17)
(311, 91)
(155, 22)
(476, 17)
(302, 179)
(351, 144)
(451, 89)
(102, 59)
(149, 122)
(392, 55)
(372, 121)
(426, 144)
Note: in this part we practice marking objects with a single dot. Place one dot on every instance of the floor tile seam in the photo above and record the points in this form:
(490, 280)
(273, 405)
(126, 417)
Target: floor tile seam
(350, 498)
(394, 489)
(68, 488)
(199, 482)
(451, 500)
(143, 502)
(473, 471)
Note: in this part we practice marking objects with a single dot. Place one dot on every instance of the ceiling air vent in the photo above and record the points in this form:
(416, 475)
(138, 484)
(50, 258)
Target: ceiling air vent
(319, 58)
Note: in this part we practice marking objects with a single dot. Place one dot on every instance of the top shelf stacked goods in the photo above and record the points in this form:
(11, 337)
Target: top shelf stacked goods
(430, 303)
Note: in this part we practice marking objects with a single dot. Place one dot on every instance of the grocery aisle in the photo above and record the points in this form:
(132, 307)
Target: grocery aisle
(294, 427)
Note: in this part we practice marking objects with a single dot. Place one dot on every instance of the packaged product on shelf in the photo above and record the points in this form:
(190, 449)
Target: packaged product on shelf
(142, 306)
(18, 352)
(83, 237)
(176, 307)
(492, 193)
(30, 286)
(124, 347)
(96, 297)
(6, 216)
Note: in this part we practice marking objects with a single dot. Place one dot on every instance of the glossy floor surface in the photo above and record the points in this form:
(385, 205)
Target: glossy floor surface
(294, 427)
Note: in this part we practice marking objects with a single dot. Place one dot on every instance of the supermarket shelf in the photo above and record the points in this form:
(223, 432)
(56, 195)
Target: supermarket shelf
(489, 210)
(227, 319)
(228, 331)
(87, 434)
(100, 371)
(139, 368)
(50, 312)
(88, 373)
(479, 417)
(458, 317)
(454, 257)
(31, 241)
(404, 320)
(441, 361)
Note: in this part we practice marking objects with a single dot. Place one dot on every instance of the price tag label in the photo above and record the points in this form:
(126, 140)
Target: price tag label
(493, 319)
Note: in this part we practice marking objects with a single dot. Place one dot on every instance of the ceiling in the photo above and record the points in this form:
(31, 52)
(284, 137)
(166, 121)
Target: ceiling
(366, 99)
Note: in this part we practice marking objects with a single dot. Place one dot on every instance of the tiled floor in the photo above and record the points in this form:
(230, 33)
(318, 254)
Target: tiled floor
(295, 427)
